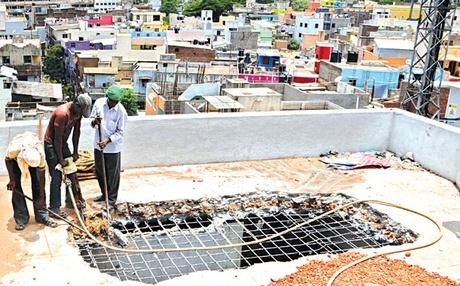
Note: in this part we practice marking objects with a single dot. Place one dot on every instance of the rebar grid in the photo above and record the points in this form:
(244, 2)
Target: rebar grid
(333, 234)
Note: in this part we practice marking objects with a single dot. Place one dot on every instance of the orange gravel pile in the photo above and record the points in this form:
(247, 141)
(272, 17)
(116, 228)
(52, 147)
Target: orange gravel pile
(379, 271)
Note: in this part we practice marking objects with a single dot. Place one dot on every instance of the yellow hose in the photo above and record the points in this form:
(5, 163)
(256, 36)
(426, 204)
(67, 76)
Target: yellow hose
(257, 241)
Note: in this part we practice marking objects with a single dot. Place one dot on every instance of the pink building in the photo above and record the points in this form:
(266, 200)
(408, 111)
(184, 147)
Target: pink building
(105, 20)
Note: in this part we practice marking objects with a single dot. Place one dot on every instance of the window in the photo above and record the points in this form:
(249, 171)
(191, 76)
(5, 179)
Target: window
(97, 34)
(27, 59)
(156, 17)
(138, 17)
(266, 60)
(333, 25)
(316, 26)
(72, 45)
(80, 38)
(306, 25)
(64, 36)
(176, 50)
(165, 65)
(301, 24)
(300, 35)
(144, 82)
(6, 85)
(6, 60)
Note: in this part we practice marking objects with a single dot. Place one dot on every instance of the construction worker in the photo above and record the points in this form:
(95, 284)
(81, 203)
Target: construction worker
(64, 119)
(24, 157)
(110, 116)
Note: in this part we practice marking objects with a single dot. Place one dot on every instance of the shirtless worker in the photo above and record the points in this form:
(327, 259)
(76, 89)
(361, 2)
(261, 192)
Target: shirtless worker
(25, 157)
(64, 119)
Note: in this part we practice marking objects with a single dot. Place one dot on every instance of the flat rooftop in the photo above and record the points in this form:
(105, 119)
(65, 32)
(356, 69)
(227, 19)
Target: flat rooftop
(212, 155)
(255, 91)
(34, 254)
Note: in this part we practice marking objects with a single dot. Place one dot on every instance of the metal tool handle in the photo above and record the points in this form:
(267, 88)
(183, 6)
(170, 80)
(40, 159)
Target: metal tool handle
(104, 175)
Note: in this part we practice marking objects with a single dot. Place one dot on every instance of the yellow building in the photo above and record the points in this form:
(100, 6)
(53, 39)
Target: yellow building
(223, 19)
(327, 3)
(146, 43)
(402, 12)
(452, 62)
(152, 27)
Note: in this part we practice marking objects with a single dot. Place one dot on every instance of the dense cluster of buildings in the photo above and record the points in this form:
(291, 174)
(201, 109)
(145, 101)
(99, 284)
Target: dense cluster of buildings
(333, 52)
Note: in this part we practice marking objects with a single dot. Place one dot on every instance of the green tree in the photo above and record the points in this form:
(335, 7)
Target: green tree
(219, 7)
(53, 64)
(168, 6)
(68, 92)
(299, 5)
(166, 20)
(129, 101)
(293, 44)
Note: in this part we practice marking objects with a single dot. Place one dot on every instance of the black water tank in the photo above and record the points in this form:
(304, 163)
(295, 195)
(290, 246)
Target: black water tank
(240, 52)
(282, 68)
(336, 57)
(352, 57)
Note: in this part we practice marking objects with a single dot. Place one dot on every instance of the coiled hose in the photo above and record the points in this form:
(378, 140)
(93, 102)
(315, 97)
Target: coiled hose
(295, 227)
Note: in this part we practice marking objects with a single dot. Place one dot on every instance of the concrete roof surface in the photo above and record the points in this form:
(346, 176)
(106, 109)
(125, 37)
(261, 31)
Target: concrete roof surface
(223, 102)
(37, 253)
(256, 91)
(101, 70)
(394, 44)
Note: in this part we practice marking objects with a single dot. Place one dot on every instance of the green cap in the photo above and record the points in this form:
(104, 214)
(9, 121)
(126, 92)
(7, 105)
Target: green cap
(114, 93)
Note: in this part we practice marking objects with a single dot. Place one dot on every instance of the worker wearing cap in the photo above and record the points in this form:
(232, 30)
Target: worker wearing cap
(64, 119)
(110, 116)
(24, 157)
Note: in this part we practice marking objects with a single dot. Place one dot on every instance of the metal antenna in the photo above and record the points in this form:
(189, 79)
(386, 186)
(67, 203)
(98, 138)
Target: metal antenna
(430, 50)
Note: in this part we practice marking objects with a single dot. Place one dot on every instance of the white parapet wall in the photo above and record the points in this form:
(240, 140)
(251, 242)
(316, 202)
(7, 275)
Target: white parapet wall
(206, 138)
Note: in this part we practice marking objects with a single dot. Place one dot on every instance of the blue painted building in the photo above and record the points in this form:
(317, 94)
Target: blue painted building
(148, 34)
(143, 73)
(269, 18)
(16, 26)
(268, 58)
(381, 78)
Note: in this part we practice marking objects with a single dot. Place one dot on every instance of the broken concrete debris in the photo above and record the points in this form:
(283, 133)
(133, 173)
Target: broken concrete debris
(233, 220)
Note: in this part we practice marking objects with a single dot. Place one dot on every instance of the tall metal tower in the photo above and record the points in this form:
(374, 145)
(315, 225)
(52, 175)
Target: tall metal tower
(430, 50)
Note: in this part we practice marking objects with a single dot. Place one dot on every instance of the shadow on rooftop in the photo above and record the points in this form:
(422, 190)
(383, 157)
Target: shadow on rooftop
(453, 226)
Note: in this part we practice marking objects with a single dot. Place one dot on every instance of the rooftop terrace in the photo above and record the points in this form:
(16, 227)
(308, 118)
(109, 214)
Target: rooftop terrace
(212, 155)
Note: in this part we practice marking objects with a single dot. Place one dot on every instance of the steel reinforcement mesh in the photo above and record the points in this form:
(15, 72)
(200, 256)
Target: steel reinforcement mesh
(335, 233)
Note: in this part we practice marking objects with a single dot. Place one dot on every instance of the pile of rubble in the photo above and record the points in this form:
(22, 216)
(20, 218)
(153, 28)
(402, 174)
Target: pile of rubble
(377, 271)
